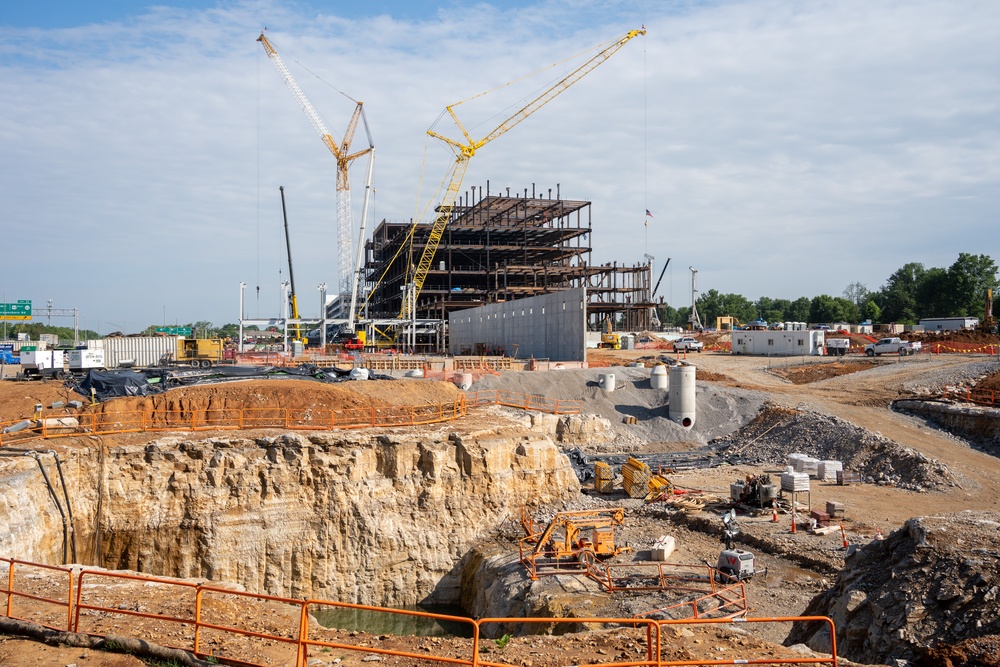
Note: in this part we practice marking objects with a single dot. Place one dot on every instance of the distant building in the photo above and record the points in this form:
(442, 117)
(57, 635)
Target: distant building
(949, 323)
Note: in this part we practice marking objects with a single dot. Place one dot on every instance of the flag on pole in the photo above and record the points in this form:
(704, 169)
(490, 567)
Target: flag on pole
(645, 222)
(648, 213)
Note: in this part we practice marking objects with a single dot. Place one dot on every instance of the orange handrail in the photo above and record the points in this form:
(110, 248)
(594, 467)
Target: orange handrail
(11, 592)
(299, 637)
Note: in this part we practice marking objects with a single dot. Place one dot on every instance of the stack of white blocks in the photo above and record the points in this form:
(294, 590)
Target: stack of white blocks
(794, 481)
(828, 470)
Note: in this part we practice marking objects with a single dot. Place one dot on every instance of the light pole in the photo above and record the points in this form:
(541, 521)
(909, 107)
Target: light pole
(243, 287)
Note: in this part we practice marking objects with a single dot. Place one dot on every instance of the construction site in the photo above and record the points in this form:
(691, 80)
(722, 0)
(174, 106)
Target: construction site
(509, 462)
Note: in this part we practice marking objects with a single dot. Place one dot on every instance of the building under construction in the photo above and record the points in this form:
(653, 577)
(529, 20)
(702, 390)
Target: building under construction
(501, 247)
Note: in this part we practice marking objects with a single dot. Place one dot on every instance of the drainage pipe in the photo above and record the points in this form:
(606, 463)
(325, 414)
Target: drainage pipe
(69, 506)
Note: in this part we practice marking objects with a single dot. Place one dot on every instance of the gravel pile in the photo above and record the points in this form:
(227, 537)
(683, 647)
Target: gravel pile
(777, 432)
(719, 410)
(935, 380)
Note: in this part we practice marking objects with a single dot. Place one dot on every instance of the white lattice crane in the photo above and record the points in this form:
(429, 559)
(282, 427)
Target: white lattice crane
(346, 277)
(465, 151)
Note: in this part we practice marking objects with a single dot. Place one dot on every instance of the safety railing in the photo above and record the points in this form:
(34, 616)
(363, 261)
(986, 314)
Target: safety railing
(237, 626)
(513, 399)
(716, 595)
(311, 419)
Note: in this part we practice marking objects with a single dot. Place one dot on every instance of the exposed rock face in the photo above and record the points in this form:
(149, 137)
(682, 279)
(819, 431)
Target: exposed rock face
(979, 425)
(355, 518)
(936, 581)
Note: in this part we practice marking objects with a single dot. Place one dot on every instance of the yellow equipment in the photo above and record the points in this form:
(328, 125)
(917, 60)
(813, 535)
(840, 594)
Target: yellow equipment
(610, 340)
(988, 321)
(199, 352)
(293, 301)
(727, 323)
(464, 150)
(347, 280)
(564, 536)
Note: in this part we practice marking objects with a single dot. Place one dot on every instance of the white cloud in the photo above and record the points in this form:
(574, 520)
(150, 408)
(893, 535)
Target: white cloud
(785, 148)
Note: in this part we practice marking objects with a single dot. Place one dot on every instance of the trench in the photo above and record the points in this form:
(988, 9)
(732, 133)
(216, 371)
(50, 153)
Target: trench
(387, 520)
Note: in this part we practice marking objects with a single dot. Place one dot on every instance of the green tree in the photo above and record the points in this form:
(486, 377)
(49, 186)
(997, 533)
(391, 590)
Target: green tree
(871, 312)
(970, 276)
(898, 297)
(799, 309)
(857, 294)
(934, 294)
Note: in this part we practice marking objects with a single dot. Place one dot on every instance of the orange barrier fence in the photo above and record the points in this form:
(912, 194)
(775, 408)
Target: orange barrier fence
(312, 419)
(979, 396)
(513, 399)
(711, 600)
(226, 624)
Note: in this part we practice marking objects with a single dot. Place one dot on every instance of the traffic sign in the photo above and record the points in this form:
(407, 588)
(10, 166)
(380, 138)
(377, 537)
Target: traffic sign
(16, 311)
(174, 331)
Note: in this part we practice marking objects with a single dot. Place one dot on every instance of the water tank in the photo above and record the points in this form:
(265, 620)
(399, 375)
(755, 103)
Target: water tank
(606, 381)
(658, 378)
(682, 400)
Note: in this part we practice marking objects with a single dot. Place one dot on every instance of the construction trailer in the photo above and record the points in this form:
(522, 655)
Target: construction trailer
(949, 323)
(778, 343)
(499, 248)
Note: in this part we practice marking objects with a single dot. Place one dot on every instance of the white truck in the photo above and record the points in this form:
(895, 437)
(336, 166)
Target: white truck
(687, 343)
(892, 346)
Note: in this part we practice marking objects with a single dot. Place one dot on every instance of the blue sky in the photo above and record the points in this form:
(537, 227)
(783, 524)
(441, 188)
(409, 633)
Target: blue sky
(785, 149)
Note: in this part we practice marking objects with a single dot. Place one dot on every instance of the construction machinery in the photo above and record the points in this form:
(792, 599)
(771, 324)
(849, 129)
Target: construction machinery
(465, 148)
(654, 316)
(610, 340)
(570, 533)
(198, 352)
(293, 302)
(727, 323)
(734, 563)
(347, 278)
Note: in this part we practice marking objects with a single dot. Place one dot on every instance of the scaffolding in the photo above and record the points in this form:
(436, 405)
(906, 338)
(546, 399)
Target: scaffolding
(501, 247)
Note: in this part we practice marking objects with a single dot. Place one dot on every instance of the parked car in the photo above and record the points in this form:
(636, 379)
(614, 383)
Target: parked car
(892, 346)
(687, 343)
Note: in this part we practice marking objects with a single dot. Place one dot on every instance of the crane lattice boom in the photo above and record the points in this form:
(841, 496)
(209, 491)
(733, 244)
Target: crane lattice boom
(465, 151)
(344, 158)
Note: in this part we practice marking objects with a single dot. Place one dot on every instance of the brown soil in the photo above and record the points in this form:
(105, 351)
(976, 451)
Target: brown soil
(17, 399)
(991, 383)
(815, 372)
(979, 337)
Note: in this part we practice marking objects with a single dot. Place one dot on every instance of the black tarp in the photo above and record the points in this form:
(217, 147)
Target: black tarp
(110, 384)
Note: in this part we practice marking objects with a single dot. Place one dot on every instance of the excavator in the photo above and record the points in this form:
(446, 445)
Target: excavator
(610, 340)
(989, 324)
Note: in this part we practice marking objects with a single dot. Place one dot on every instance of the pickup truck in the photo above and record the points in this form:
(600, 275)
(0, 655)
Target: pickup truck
(892, 346)
(687, 344)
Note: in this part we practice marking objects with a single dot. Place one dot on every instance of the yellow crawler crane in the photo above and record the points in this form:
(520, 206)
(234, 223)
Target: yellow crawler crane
(466, 147)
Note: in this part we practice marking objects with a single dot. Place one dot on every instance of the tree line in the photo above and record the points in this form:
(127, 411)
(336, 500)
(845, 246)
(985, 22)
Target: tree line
(913, 292)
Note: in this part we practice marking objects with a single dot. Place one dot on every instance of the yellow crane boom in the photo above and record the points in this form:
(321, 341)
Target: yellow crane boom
(465, 151)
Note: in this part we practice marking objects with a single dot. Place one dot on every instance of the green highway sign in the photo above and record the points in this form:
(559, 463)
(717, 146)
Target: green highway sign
(174, 331)
(16, 311)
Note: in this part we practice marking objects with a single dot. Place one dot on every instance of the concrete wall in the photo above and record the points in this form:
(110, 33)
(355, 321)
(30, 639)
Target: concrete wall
(549, 326)
(778, 343)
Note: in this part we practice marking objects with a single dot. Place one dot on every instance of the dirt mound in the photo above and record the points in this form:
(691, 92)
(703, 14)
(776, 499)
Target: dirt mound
(978, 337)
(777, 432)
(934, 582)
(290, 394)
(975, 652)
(807, 373)
(992, 383)
(18, 399)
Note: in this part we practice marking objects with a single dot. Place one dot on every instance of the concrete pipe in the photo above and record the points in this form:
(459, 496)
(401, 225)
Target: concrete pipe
(658, 378)
(682, 395)
(606, 381)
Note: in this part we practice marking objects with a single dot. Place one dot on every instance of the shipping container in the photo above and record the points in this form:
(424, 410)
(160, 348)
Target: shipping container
(139, 351)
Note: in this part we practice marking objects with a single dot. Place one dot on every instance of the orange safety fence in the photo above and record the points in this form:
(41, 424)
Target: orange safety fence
(312, 419)
(513, 399)
(712, 599)
(227, 624)
(979, 396)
